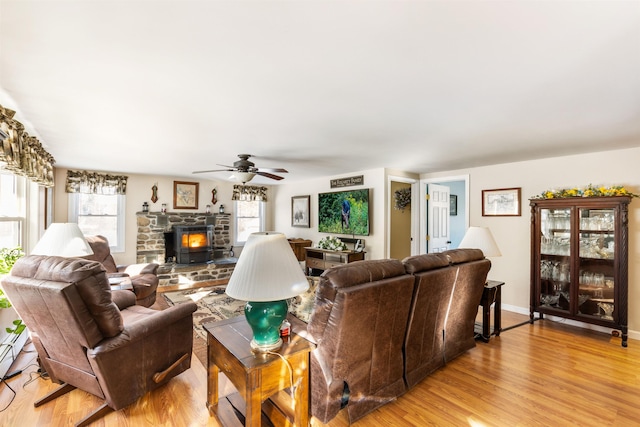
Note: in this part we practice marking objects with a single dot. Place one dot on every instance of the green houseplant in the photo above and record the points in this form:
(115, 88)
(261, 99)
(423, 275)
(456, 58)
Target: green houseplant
(8, 257)
(13, 328)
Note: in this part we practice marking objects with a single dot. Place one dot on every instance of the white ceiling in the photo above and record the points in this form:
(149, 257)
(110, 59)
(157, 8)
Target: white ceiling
(320, 87)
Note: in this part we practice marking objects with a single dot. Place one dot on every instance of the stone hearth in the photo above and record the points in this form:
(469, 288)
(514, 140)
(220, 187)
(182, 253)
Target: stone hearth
(151, 246)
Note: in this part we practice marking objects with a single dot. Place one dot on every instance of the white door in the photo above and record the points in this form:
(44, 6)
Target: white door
(438, 221)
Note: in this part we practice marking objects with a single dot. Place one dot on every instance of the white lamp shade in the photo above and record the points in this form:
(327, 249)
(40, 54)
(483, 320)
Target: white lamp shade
(63, 239)
(480, 238)
(267, 270)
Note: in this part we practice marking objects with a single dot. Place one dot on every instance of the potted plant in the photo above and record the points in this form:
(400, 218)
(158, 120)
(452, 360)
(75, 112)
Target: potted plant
(11, 335)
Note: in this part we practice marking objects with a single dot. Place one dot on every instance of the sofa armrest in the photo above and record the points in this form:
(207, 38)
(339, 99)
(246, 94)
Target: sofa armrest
(139, 269)
(140, 329)
(123, 298)
(300, 328)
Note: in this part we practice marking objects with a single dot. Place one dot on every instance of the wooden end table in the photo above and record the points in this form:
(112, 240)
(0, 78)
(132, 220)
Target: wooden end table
(120, 283)
(491, 294)
(256, 376)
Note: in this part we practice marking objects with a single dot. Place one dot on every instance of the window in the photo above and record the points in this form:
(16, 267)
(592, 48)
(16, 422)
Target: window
(12, 210)
(249, 218)
(99, 214)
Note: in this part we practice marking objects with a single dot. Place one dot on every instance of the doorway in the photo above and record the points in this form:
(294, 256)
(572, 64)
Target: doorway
(402, 218)
(458, 211)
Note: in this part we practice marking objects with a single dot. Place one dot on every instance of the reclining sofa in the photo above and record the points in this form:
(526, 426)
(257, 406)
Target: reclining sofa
(382, 326)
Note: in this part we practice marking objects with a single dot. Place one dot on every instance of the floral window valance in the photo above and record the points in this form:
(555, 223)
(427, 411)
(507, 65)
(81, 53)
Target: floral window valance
(23, 154)
(249, 193)
(95, 183)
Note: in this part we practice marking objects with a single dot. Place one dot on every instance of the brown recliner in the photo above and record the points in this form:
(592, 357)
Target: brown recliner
(91, 338)
(143, 277)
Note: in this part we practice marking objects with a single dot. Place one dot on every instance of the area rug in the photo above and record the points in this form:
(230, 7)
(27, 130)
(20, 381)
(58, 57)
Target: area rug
(213, 305)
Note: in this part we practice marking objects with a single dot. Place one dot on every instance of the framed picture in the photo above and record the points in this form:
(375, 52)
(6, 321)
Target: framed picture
(453, 205)
(300, 207)
(501, 202)
(185, 195)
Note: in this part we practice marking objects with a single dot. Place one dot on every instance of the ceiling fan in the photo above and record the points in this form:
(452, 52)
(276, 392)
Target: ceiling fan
(244, 170)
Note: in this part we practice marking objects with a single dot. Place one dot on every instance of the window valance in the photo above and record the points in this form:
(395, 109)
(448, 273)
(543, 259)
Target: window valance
(95, 183)
(249, 193)
(22, 153)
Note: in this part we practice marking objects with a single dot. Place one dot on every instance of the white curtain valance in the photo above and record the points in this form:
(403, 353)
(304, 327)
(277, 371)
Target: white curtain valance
(21, 153)
(249, 193)
(95, 183)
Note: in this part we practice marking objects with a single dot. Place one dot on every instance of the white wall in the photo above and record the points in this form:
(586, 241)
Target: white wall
(512, 234)
(374, 179)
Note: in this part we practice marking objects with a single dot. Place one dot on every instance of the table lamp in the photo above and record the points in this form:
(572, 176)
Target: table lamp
(266, 274)
(63, 239)
(480, 238)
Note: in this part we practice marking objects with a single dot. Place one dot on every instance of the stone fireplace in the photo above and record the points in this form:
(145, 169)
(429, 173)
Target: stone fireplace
(214, 265)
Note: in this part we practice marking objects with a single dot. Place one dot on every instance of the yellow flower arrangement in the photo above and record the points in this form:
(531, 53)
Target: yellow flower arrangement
(589, 191)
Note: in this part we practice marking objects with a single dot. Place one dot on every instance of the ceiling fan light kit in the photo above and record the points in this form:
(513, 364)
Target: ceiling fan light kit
(245, 170)
(243, 177)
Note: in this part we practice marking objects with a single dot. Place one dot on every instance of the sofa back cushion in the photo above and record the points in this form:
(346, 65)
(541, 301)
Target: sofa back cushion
(424, 343)
(101, 252)
(359, 322)
(471, 275)
(66, 302)
(448, 290)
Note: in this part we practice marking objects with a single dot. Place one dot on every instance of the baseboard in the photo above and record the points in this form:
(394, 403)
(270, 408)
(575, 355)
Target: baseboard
(520, 310)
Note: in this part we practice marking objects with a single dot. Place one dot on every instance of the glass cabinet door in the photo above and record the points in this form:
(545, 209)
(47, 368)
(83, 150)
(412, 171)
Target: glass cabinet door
(596, 272)
(555, 251)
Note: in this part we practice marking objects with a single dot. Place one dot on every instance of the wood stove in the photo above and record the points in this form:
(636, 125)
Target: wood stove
(192, 243)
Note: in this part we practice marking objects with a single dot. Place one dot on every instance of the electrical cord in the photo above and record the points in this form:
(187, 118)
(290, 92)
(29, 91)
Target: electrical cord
(12, 397)
(286, 362)
(16, 373)
(290, 368)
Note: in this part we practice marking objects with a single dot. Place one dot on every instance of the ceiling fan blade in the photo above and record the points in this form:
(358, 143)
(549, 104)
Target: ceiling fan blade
(215, 170)
(279, 170)
(270, 175)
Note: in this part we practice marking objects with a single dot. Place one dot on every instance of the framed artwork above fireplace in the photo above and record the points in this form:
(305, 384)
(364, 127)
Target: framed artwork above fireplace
(185, 195)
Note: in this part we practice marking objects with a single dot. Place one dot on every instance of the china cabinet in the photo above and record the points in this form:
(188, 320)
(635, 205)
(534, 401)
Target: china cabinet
(579, 251)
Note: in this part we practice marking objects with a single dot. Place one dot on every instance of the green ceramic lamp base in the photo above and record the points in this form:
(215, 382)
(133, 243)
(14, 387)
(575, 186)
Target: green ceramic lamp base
(265, 319)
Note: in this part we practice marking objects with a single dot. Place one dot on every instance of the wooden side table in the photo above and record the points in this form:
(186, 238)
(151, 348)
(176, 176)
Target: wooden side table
(120, 283)
(324, 259)
(256, 376)
(298, 245)
(491, 294)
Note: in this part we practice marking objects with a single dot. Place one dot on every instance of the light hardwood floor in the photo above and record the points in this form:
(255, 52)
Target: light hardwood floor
(547, 374)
